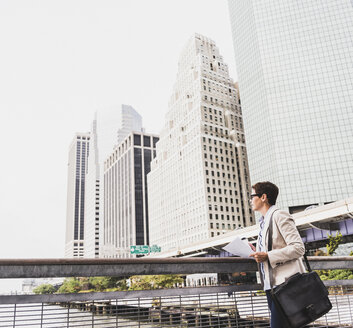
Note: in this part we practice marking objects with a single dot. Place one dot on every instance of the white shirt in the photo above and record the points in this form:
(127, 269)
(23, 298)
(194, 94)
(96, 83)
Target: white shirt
(262, 248)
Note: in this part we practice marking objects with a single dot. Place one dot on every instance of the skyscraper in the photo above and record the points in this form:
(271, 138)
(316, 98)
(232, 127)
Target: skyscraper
(199, 184)
(125, 194)
(295, 66)
(110, 125)
(75, 212)
(92, 197)
(131, 121)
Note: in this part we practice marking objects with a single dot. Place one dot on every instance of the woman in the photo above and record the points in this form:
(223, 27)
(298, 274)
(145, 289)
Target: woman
(287, 246)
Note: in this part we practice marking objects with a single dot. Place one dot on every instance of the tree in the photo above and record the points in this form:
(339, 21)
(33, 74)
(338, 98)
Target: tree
(121, 284)
(333, 242)
(331, 246)
(168, 280)
(140, 283)
(70, 285)
(154, 281)
(44, 289)
(99, 283)
(105, 283)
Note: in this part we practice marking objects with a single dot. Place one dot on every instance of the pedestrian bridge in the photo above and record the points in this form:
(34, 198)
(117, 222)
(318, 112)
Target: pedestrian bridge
(241, 305)
(314, 225)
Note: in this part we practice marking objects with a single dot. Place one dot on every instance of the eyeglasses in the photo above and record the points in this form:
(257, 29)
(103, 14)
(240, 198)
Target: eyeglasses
(255, 195)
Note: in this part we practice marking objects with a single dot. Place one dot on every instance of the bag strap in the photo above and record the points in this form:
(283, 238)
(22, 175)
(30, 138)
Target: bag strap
(269, 248)
(306, 261)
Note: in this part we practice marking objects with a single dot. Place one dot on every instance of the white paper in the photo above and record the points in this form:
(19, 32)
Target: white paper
(239, 247)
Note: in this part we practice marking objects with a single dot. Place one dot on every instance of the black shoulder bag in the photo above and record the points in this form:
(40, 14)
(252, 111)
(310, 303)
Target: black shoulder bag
(302, 298)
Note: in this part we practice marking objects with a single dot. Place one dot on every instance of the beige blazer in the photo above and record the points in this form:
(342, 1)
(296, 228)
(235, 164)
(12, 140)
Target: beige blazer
(287, 248)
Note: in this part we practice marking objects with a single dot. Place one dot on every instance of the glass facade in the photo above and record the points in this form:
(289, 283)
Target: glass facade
(147, 168)
(131, 121)
(138, 197)
(295, 66)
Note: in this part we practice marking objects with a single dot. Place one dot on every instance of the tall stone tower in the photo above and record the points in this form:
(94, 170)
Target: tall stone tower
(199, 183)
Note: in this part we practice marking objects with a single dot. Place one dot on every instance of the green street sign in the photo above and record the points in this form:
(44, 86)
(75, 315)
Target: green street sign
(155, 249)
(139, 249)
(144, 249)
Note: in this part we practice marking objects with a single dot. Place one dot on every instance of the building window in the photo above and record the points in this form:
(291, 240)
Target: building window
(146, 141)
(137, 140)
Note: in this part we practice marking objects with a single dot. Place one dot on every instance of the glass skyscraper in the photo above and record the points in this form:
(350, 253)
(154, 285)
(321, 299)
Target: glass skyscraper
(295, 68)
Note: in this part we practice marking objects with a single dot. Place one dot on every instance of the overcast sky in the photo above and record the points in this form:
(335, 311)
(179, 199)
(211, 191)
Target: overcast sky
(59, 62)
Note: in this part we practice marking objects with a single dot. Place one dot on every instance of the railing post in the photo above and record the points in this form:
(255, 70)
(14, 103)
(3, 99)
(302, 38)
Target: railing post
(138, 311)
(338, 308)
(116, 313)
(181, 310)
(252, 307)
(237, 314)
(200, 310)
(41, 316)
(160, 310)
(68, 315)
(195, 315)
(92, 314)
(219, 322)
(14, 316)
(349, 303)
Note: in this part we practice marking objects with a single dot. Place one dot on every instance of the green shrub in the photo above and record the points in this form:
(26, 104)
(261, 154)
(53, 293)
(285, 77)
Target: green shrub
(70, 285)
(44, 289)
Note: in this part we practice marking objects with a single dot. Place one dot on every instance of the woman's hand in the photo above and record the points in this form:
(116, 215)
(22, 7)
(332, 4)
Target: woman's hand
(252, 247)
(259, 257)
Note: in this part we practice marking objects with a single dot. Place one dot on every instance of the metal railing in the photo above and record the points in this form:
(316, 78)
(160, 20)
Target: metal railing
(213, 306)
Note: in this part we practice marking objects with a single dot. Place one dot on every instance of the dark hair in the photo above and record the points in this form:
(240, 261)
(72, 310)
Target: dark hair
(268, 188)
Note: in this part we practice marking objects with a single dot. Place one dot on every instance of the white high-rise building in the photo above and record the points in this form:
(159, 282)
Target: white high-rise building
(199, 184)
(110, 124)
(75, 211)
(104, 136)
(295, 66)
(126, 220)
(92, 201)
